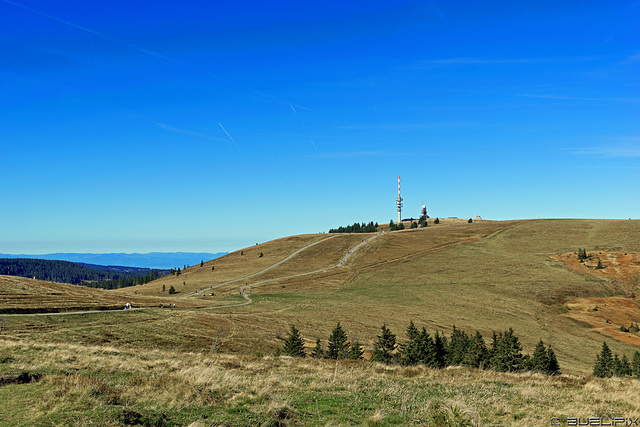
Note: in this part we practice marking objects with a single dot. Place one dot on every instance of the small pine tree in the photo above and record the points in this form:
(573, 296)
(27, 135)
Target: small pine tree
(458, 347)
(539, 362)
(470, 221)
(477, 352)
(384, 347)
(414, 224)
(616, 367)
(172, 290)
(554, 366)
(261, 255)
(356, 351)
(507, 353)
(178, 272)
(409, 350)
(163, 288)
(604, 363)
(635, 364)
(625, 367)
(599, 266)
(293, 344)
(212, 268)
(440, 346)
(317, 352)
(338, 346)
(201, 263)
(436, 221)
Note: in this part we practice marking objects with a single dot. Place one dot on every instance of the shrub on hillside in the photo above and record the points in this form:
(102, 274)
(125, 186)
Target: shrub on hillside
(293, 344)
(338, 346)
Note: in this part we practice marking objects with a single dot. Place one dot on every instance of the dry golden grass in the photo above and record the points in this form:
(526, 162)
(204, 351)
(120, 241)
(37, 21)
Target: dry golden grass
(229, 267)
(22, 295)
(82, 385)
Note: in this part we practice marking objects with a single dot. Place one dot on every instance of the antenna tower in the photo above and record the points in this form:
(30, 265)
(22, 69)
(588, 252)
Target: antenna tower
(399, 203)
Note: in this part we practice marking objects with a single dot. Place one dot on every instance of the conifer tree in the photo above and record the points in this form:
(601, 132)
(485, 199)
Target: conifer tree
(338, 346)
(409, 350)
(604, 362)
(426, 351)
(458, 347)
(635, 364)
(384, 347)
(356, 351)
(317, 352)
(294, 345)
(625, 367)
(412, 331)
(477, 353)
(436, 221)
(440, 347)
(507, 353)
(539, 362)
(616, 367)
(554, 366)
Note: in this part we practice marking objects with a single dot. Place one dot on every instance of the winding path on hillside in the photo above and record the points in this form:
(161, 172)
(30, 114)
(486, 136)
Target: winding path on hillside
(249, 301)
(261, 271)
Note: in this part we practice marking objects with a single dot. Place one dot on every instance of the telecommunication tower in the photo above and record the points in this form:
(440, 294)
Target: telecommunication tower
(399, 202)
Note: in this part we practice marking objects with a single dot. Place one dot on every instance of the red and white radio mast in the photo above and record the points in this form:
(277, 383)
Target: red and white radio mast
(399, 203)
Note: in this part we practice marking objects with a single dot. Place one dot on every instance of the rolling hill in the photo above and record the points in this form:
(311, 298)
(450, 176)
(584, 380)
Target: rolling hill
(485, 275)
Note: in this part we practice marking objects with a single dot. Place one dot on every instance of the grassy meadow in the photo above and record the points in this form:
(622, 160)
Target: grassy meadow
(216, 366)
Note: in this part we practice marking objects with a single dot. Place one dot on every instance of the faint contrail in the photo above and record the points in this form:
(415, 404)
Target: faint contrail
(304, 127)
(230, 137)
(96, 33)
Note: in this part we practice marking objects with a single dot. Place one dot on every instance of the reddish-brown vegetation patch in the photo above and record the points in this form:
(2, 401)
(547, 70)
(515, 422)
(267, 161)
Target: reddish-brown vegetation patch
(616, 265)
(607, 315)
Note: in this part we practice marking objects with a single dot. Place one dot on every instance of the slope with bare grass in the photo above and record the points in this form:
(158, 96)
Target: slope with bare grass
(102, 385)
(232, 266)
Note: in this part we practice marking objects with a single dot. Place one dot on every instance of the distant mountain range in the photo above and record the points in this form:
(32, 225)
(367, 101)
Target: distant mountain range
(163, 260)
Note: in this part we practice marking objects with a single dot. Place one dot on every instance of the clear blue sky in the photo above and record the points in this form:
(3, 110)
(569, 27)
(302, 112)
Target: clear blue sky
(144, 126)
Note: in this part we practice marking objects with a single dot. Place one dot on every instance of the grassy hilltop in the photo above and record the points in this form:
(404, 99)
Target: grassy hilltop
(217, 362)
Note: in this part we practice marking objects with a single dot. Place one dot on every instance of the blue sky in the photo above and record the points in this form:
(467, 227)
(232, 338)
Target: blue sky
(209, 126)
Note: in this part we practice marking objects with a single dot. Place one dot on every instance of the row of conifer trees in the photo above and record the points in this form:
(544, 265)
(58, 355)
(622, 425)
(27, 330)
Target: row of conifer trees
(503, 354)
(609, 364)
